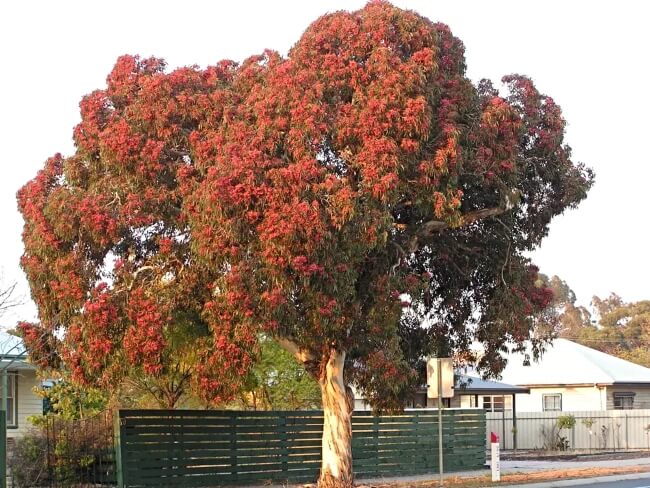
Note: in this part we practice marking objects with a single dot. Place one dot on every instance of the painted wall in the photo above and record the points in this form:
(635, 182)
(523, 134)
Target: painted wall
(28, 402)
(641, 396)
(575, 398)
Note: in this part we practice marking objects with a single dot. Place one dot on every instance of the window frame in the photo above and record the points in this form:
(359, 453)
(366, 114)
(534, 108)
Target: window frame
(546, 396)
(620, 395)
(12, 396)
(496, 403)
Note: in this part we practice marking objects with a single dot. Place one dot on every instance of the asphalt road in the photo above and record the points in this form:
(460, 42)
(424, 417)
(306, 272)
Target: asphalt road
(639, 483)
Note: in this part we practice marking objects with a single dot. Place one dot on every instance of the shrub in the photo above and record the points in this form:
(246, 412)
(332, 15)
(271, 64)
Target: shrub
(80, 452)
(28, 464)
(551, 436)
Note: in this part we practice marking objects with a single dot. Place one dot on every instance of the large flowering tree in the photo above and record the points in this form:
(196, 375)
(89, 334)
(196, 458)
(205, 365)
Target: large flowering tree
(360, 200)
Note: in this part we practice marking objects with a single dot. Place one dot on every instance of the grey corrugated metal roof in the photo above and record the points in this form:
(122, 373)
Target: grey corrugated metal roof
(473, 384)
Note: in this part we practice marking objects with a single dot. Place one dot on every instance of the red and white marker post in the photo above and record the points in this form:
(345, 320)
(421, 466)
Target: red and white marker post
(495, 463)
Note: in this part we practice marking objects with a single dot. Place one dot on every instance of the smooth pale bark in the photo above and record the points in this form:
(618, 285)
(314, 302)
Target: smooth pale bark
(336, 468)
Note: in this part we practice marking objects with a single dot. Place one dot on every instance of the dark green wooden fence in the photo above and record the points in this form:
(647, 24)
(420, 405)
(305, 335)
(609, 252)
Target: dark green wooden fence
(207, 448)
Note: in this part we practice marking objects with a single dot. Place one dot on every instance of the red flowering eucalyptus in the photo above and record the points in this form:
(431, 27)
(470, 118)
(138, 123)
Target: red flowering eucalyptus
(303, 196)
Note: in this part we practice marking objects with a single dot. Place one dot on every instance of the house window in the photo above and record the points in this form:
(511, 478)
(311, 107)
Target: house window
(473, 401)
(623, 401)
(11, 400)
(552, 403)
(494, 403)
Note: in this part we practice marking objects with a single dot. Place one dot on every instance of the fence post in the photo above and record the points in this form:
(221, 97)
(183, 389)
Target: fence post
(233, 445)
(375, 434)
(514, 422)
(117, 434)
(284, 450)
(627, 438)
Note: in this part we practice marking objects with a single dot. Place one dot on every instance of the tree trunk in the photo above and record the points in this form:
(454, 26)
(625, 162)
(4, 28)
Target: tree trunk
(336, 468)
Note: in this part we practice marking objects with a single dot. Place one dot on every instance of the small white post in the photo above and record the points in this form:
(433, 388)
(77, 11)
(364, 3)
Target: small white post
(495, 462)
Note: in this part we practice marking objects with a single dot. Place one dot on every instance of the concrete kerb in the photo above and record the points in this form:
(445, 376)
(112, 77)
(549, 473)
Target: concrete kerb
(583, 481)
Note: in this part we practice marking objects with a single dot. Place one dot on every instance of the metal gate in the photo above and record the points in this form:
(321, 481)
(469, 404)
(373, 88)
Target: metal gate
(80, 452)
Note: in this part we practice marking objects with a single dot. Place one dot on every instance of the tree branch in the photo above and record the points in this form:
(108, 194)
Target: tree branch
(137, 272)
(7, 298)
(434, 226)
(510, 198)
(302, 355)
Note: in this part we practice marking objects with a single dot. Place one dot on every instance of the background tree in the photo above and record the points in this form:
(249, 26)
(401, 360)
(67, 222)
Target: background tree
(278, 382)
(623, 329)
(313, 198)
(612, 326)
(571, 319)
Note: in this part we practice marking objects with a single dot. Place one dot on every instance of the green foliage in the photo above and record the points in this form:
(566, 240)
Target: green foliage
(278, 382)
(552, 437)
(566, 422)
(588, 422)
(71, 401)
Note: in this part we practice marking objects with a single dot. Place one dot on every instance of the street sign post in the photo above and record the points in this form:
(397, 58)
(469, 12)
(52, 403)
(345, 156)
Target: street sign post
(440, 384)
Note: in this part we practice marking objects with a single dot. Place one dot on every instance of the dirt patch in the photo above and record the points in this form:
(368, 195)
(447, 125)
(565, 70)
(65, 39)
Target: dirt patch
(572, 456)
(515, 478)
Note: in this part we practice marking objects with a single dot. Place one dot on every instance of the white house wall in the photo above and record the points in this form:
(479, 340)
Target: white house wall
(575, 398)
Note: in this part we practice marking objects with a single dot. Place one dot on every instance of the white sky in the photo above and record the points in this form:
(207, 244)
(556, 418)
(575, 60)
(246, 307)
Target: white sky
(591, 57)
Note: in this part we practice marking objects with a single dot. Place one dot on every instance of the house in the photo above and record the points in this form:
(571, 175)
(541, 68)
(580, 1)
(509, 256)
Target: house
(571, 377)
(469, 392)
(21, 401)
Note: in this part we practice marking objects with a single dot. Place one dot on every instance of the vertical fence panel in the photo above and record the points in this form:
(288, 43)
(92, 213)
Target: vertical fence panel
(117, 436)
(228, 447)
(607, 430)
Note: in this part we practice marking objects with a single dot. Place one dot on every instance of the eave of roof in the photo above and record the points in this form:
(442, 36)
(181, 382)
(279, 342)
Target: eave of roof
(588, 385)
(492, 391)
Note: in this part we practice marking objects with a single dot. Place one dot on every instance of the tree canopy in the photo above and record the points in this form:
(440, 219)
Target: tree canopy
(335, 199)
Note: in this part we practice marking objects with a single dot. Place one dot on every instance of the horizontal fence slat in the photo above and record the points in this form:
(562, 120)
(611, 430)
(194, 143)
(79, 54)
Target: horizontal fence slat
(211, 448)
